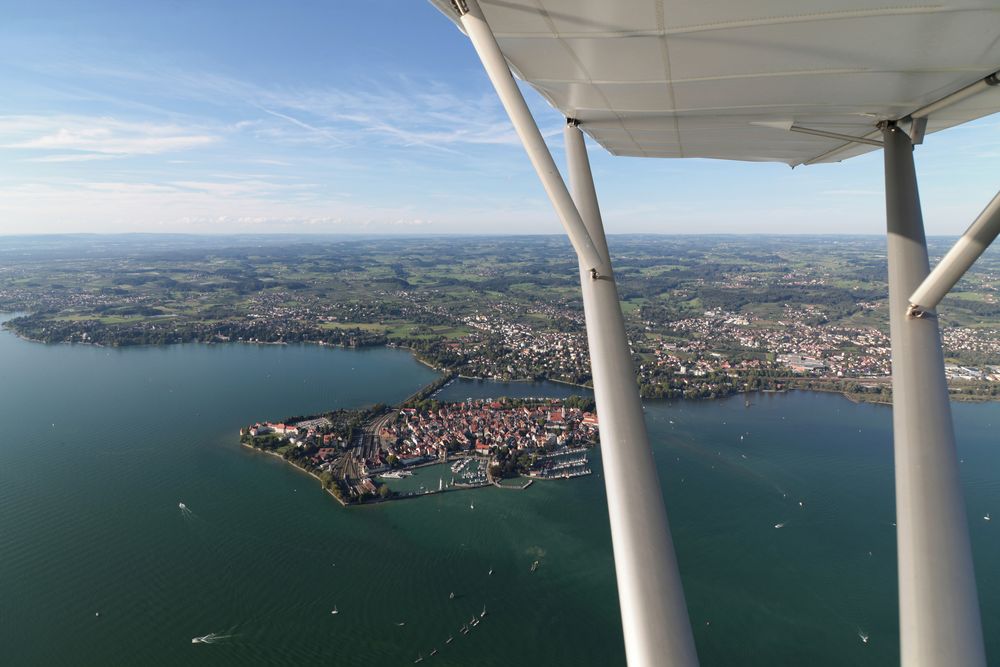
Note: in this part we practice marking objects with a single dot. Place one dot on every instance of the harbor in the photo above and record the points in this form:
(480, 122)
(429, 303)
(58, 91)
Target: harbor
(467, 473)
(561, 465)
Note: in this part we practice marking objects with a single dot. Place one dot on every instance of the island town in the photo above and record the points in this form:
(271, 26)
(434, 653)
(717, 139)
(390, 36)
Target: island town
(358, 455)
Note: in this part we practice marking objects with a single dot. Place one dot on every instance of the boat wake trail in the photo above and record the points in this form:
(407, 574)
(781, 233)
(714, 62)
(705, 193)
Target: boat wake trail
(212, 638)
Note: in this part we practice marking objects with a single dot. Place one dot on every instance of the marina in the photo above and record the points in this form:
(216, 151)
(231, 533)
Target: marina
(433, 479)
(561, 465)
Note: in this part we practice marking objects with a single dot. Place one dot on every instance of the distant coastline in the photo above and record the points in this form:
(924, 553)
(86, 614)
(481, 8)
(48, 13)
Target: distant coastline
(806, 383)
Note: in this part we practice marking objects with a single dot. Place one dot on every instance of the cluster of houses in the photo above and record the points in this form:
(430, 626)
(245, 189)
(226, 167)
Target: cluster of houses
(482, 426)
(303, 433)
(503, 348)
(956, 372)
(799, 344)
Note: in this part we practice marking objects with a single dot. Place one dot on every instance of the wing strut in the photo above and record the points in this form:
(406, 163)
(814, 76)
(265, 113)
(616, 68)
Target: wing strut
(481, 36)
(939, 621)
(655, 620)
(976, 239)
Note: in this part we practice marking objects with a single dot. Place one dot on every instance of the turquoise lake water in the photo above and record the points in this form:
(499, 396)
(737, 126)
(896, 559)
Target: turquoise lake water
(100, 446)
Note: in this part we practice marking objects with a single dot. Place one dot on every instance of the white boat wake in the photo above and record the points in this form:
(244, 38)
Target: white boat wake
(211, 638)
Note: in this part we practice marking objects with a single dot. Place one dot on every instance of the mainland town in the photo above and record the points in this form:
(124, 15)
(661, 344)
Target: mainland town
(706, 317)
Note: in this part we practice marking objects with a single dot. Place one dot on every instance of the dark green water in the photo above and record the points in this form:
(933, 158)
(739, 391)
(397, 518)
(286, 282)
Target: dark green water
(99, 446)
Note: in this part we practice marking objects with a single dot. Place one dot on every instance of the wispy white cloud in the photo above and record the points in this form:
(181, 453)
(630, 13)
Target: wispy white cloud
(411, 113)
(71, 157)
(241, 187)
(98, 135)
(270, 161)
(190, 206)
(402, 112)
(363, 154)
(122, 188)
(855, 192)
(322, 132)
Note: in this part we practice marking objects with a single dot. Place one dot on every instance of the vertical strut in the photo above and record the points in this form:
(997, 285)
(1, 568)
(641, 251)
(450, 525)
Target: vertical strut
(938, 603)
(654, 615)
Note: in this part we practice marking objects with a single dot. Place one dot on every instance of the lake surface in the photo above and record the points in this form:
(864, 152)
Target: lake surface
(100, 446)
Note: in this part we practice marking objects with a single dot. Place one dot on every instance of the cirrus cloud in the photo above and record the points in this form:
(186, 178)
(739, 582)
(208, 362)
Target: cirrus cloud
(94, 136)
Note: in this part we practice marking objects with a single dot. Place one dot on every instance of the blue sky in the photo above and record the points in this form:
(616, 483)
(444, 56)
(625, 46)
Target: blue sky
(345, 117)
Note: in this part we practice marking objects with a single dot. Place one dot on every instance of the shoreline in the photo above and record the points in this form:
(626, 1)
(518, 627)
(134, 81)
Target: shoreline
(854, 398)
(376, 501)
(299, 468)
(413, 353)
